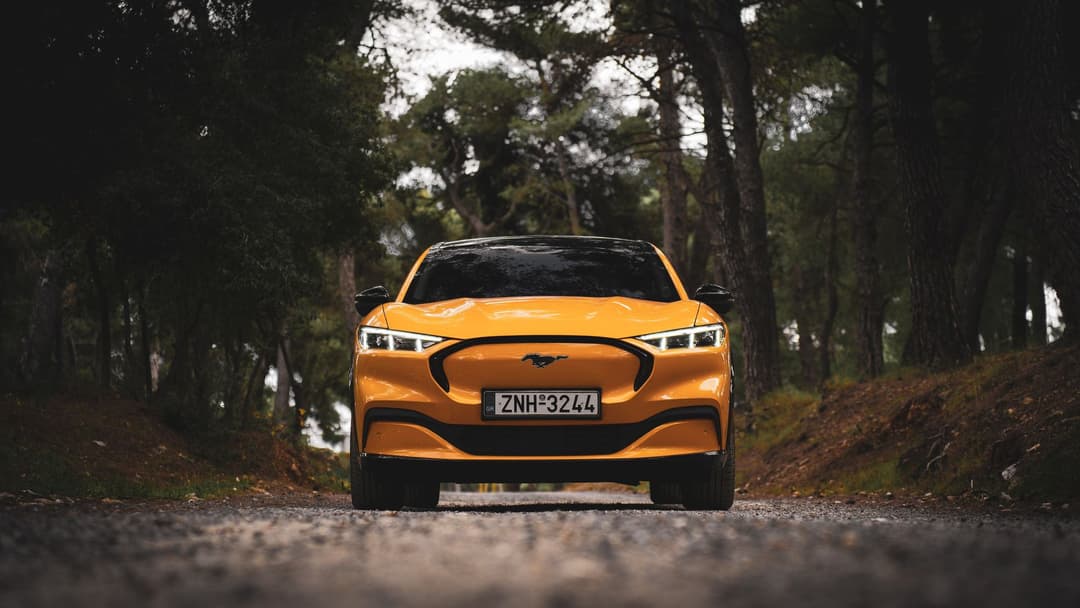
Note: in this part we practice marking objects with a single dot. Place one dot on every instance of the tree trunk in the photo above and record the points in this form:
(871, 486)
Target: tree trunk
(805, 293)
(700, 249)
(716, 46)
(41, 360)
(1019, 300)
(573, 209)
(987, 245)
(1046, 162)
(869, 303)
(131, 364)
(937, 341)
(453, 192)
(300, 405)
(253, 388)
(179, 386)
(232, 383)
(104, 338)
(832, 301)
(347, 290)
(1037, 284)
(674, 185)
(147, 356)
(281, 394)
(988, 189)
(808, 361)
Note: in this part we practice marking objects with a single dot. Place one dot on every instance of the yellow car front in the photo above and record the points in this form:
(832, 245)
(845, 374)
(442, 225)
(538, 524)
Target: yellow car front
(541, 359)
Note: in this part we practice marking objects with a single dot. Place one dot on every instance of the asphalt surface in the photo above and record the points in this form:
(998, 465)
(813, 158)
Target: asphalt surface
(534, 549)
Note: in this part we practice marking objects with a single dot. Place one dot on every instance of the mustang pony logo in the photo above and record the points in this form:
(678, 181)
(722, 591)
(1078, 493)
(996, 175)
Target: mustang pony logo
(543, 360)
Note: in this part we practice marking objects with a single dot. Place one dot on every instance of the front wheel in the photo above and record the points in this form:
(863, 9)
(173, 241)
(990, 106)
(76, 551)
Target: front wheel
(371, 491)
(422, 494)
(665, 492)
(717, 492)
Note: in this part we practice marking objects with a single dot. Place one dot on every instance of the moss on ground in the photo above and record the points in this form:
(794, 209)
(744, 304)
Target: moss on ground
(1007, 423)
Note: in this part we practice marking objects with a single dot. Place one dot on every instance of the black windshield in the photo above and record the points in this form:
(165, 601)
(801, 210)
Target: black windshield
(542, 266)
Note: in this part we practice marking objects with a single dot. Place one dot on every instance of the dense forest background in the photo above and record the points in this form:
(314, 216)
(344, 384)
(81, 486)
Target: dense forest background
(195, 188)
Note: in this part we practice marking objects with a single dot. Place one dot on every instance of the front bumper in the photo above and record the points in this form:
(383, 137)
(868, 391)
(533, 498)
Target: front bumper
(427, 406)
(401, 432)
(632, 470)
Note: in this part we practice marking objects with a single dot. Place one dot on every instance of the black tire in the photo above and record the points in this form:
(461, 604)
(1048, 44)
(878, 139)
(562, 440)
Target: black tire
(665, 492)
(422, 494)
(370, 491)
(718, 491)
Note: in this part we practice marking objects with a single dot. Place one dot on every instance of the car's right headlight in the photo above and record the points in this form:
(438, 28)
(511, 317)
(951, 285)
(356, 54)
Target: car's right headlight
(691, 337)
(375, 338)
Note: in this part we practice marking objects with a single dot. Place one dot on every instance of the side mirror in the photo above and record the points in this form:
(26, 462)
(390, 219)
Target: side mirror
(718, 298)
(367, 300)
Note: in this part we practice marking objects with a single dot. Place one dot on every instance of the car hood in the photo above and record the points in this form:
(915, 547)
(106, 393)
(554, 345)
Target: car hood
(571, 316)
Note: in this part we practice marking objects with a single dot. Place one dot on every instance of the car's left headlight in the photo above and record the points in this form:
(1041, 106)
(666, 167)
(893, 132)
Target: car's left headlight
(374, 338)
(692, 337)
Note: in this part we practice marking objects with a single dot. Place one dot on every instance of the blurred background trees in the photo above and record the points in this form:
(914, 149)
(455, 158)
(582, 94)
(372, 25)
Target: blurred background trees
(196, 187)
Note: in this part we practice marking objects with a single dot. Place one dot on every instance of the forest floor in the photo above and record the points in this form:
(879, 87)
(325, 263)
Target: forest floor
(68, 446)
(1004, 428)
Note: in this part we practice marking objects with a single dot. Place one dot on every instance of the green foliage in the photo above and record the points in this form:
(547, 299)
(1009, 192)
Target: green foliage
(187, 174)
(217, 157)
(549, 150)
(43, 471)
(779, 417)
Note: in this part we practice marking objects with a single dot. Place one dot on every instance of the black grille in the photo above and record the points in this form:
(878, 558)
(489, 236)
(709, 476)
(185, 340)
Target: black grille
(645, 360)
(553, 440)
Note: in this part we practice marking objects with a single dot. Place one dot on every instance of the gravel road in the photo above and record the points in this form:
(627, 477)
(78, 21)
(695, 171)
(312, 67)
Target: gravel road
(534, 549)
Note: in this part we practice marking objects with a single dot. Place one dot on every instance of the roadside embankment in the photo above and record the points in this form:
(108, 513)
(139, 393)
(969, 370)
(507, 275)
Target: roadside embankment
(1006, 427)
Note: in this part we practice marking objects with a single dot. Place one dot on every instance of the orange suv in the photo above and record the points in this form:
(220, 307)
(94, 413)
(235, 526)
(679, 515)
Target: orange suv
(542, 358)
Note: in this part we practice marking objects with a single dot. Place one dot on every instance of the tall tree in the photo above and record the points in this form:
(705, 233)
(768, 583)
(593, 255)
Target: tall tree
(987, 199)
(869, 302)
(1018, 317)
(675, 185)
(1037, 297)
(936, 339)
(716, 46)
(561, 58)
(219, 155)
(1046, 164)
(464, 132)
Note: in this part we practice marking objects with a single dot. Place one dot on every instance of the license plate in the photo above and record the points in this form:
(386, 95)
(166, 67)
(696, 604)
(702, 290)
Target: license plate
(541, 403)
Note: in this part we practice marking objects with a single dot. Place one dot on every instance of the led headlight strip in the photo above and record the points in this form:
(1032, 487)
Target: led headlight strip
(692, 337)
(373, 338)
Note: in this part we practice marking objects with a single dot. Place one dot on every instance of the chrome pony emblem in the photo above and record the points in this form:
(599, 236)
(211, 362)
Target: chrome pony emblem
(543, 360)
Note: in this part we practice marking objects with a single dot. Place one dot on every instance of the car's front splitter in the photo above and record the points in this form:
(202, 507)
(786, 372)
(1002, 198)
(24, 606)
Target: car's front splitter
(546, 440)
(668, 468)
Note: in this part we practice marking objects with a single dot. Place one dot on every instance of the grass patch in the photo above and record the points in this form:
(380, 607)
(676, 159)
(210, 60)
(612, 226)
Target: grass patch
(884, 475)
(971, 385)
(115, 448)
(903, 373)
(778, 418)
(911, 431)
(838, 383)
(47, 473)
(331, 471)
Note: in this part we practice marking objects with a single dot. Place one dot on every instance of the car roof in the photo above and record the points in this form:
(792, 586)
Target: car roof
(560, 241)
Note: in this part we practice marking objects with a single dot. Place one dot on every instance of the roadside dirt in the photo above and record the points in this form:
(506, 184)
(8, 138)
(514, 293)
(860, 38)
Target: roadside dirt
(1006, 427)
(107, 447)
